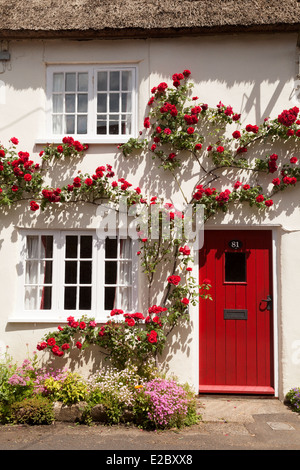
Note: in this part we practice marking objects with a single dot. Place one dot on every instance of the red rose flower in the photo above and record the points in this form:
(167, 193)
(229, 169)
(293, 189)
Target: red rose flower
(198, 146)
(60, 149)
(34, 206)
(185, 250)
(14, 140)
(260, 198)
(276, 181)
(130, 321)
(116, 311)
(77, 182)
(190, 130)
(293, 160)
(147, 123)
(269, 202)
(89, 181)
(51, 341)
(220, 149)
(185, 301)
(27, 177)
(236, 134)
(152, 337)
(161, 87)
(78, 345)
(187, 73)
(82, 325)
(174, 280)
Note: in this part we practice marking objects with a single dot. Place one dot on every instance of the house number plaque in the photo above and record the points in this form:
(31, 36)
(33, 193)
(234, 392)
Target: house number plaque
(235, 244)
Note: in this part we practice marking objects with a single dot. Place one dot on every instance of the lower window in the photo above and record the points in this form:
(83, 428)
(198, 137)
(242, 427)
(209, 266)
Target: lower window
(77, 273)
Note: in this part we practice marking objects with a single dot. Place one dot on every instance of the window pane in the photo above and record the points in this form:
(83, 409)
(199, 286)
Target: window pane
(235, 267)
(82, 82)
(58, 82)
(126, 102)
(109, 298)
(45, 300)
(70, 124)
(125, 248)
(30, 300)
(85, 276)
(86, 245)
(71, 246)
(82, 103)
(102, 103)
(46, 246)
(126, 124)
(32, 272)
(113, 125)
(126, 80)
(57, 125)
(70, 84)
(125, 298)
(70, 298)
(111, 272)
(125, 273)
(46, 272)
(32, 246)
(101, 126)
(85, 298)
(111, 247)
(81, 124)
(114, 81)
(114, 102)
(102, 81)
(57, 101)
(71, 272)
(70, 103)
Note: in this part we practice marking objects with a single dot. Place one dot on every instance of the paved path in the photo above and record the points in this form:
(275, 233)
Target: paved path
(227, 424)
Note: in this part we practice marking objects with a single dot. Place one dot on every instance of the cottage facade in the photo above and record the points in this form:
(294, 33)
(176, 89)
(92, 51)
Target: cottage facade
(59, 62)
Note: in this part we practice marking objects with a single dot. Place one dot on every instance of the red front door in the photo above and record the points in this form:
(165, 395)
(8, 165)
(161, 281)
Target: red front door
(235, 328)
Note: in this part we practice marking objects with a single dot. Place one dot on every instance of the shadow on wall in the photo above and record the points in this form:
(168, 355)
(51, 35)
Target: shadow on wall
(178, 344)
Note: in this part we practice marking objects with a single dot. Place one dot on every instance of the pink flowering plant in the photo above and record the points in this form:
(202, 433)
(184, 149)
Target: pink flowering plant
(163, 403)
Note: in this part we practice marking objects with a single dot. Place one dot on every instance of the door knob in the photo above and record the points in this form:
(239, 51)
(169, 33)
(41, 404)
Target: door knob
(269, 302)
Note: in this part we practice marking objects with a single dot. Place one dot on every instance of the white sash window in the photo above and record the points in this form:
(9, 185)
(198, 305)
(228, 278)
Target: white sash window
(91, 103)
(71, 273)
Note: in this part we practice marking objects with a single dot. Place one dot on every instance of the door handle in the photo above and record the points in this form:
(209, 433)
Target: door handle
(269, 302)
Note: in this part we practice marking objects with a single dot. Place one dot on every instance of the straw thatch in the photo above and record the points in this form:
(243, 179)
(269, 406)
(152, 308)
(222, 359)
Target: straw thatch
(138, 18)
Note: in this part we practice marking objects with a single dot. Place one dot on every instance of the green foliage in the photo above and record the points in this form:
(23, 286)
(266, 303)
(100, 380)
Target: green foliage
(293, 398)
(71, 390)
(33, 411)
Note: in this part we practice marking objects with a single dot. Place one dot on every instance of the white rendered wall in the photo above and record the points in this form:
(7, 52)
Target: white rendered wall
(254, 74)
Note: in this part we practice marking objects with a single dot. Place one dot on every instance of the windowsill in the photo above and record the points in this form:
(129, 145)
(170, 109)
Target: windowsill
(85, 140)
(56, 319)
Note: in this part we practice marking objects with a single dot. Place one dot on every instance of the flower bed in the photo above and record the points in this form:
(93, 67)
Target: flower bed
(33, 395)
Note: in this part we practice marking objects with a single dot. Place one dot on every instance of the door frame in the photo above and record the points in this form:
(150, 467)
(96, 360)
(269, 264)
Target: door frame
(276, 286)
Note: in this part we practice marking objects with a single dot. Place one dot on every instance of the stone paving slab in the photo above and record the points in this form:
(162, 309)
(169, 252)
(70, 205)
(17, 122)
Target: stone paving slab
(239, 410)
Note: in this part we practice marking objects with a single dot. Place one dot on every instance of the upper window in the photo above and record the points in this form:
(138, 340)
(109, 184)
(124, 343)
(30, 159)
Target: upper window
(94, 104)
(75, 273)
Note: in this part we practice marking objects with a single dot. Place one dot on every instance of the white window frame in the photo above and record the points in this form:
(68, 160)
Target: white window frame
(58, 314)
(91, 136)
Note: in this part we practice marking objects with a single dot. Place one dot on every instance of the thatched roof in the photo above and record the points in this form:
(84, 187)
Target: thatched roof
(140, 18)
